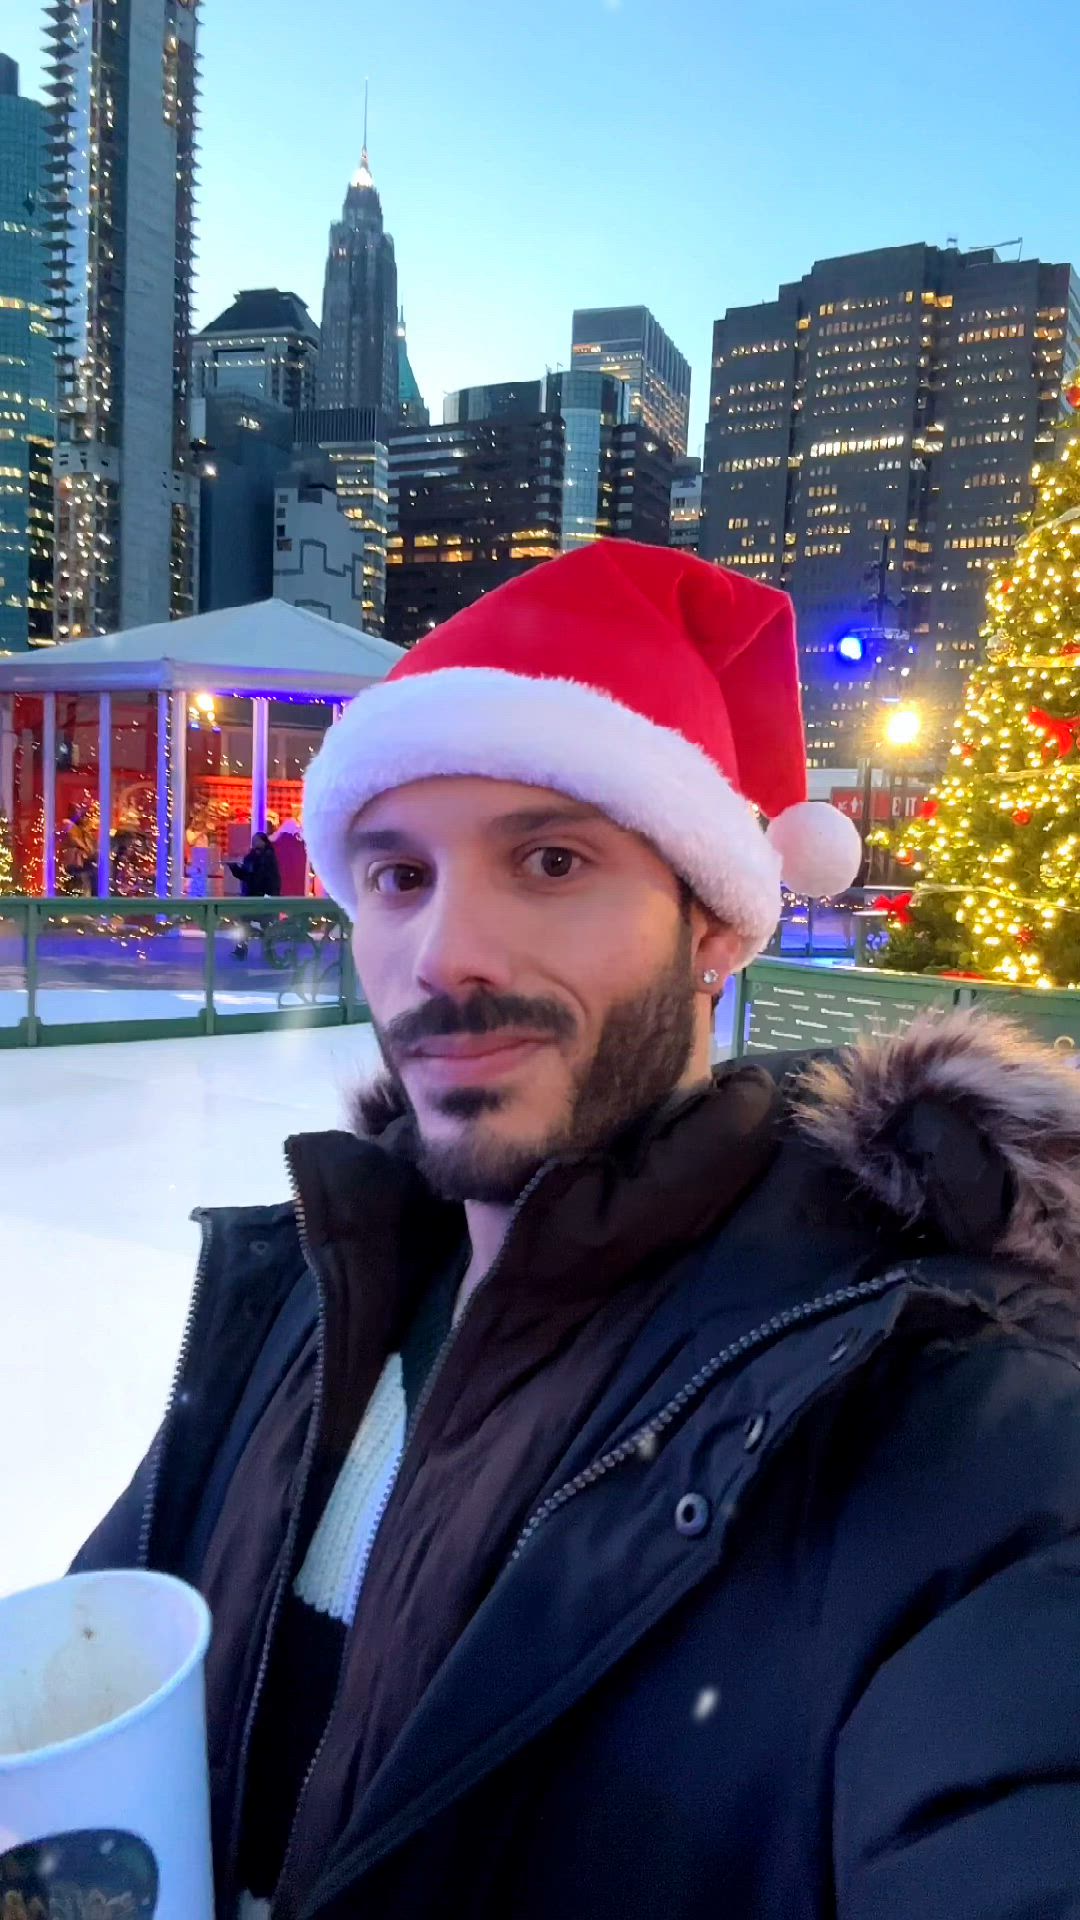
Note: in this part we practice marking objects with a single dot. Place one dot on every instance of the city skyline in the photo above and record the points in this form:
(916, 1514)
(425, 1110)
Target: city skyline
(873, 429)
(480, 159)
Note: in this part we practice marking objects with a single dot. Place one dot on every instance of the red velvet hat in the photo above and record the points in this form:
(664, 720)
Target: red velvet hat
(642, 680)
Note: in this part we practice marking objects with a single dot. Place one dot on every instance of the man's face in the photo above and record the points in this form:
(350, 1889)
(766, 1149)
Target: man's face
(530, 969)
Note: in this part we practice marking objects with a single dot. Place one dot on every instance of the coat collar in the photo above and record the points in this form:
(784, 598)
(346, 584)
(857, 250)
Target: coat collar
(653, 1194)
(961, 1126)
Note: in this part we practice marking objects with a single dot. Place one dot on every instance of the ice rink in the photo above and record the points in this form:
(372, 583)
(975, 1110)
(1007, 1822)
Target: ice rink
(105, 1150)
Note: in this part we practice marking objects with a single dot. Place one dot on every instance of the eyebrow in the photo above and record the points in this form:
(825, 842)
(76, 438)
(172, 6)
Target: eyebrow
(527, 820)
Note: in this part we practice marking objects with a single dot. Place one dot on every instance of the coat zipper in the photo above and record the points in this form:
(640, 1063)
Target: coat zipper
(644, 1438)
(642, 1442)
(146, 1526)
(303, 1474)
(425, 1395)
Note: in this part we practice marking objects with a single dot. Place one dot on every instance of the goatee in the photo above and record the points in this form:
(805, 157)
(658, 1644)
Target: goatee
(643, 1052)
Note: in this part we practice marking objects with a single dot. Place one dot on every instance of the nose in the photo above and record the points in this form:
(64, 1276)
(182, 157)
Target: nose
(463, 938)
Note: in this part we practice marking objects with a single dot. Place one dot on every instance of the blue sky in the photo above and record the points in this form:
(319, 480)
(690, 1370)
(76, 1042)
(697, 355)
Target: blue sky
(690, 154)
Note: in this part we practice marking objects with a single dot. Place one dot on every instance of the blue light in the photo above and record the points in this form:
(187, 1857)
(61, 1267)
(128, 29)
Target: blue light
(851, 647)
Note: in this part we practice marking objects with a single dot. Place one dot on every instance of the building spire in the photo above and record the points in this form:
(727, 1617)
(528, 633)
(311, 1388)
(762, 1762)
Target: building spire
(362, 176)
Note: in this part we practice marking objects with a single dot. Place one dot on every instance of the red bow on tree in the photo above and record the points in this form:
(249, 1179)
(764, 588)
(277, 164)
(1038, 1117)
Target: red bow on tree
(1062, 734)
(896, 905)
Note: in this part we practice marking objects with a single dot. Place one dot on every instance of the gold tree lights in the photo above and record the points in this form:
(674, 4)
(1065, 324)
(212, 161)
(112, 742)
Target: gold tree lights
(7, 858)
(995, 854)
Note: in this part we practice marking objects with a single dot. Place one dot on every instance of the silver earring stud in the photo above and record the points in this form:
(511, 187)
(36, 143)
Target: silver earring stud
(710, 977)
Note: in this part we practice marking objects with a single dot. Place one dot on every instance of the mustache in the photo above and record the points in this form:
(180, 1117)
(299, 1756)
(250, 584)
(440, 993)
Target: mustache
(442, 1017)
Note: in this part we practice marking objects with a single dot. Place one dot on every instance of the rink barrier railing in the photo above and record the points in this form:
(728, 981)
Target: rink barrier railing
(61, 958)
(791, 1006)
(82, 969)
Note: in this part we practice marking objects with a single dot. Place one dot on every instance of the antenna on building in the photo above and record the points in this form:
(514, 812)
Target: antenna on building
(362, 176)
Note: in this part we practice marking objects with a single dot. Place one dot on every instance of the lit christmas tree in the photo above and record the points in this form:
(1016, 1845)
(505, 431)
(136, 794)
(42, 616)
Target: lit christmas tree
(134, 864)
(29, 851)
(995, 856)
(7, 857)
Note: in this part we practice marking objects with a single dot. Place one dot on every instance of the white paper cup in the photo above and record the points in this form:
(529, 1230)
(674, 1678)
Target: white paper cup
(103, 1771)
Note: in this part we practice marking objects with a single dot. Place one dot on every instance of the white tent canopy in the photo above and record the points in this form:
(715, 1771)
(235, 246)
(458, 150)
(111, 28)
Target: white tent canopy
(267, 651)
(260, 650)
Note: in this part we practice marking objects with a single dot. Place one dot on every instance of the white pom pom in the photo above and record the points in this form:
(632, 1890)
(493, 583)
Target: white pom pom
(819, 847)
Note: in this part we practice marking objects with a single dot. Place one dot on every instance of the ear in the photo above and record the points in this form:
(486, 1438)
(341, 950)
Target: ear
(715, 951)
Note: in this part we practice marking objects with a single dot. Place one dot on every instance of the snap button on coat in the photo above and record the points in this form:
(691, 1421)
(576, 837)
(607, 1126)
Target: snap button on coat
(692, 1515)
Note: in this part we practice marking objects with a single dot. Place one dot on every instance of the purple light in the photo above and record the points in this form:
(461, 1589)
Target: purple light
(282, 699)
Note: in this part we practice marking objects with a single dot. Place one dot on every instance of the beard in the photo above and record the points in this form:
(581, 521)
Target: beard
(643, 1051)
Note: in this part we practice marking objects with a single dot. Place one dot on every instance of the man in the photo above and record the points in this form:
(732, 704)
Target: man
(260, 877)
(624, 1489)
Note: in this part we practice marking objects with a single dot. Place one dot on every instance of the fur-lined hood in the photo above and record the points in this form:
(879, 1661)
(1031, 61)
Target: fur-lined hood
(962, 1125)
(962, 1120)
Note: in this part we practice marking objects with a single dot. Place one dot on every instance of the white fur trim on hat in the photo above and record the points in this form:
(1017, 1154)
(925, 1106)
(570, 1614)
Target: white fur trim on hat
(545, 733)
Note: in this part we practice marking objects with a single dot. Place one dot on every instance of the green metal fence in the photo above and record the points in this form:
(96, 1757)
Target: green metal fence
(81, 970)
(87, 969)
(792, 1005)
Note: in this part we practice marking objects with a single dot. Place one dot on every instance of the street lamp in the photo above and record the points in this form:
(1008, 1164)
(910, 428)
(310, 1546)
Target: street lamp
(903, 725)
(900, 728)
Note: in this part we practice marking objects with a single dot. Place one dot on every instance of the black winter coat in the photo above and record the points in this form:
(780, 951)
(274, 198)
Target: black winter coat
(258, 873)
(794, 1632)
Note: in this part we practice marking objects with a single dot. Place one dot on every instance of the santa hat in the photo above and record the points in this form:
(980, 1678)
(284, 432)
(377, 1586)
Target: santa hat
(641, 680)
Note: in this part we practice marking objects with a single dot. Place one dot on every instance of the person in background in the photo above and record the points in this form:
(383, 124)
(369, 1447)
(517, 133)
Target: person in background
(258, 872)
(79, 852)
(259, 876)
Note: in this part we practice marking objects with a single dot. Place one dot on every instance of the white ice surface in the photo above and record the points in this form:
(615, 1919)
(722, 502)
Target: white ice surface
(104, 1150)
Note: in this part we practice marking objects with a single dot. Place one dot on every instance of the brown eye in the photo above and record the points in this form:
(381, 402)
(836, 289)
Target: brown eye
(397, 879)
(553, 863)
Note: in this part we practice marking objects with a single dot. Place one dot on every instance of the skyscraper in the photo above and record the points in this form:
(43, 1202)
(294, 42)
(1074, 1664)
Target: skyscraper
(266, 342)
(505, 400)
(244, 445)
(616, 472)
(354, 441)
(27, 373)
(471, 506)
(123, 81)
(318, 553)
(629, 343)
(686, 504)
(881, 416)
(475, 502)
(644, 469)
(411, 411)
(591, 406)
(358, 363)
